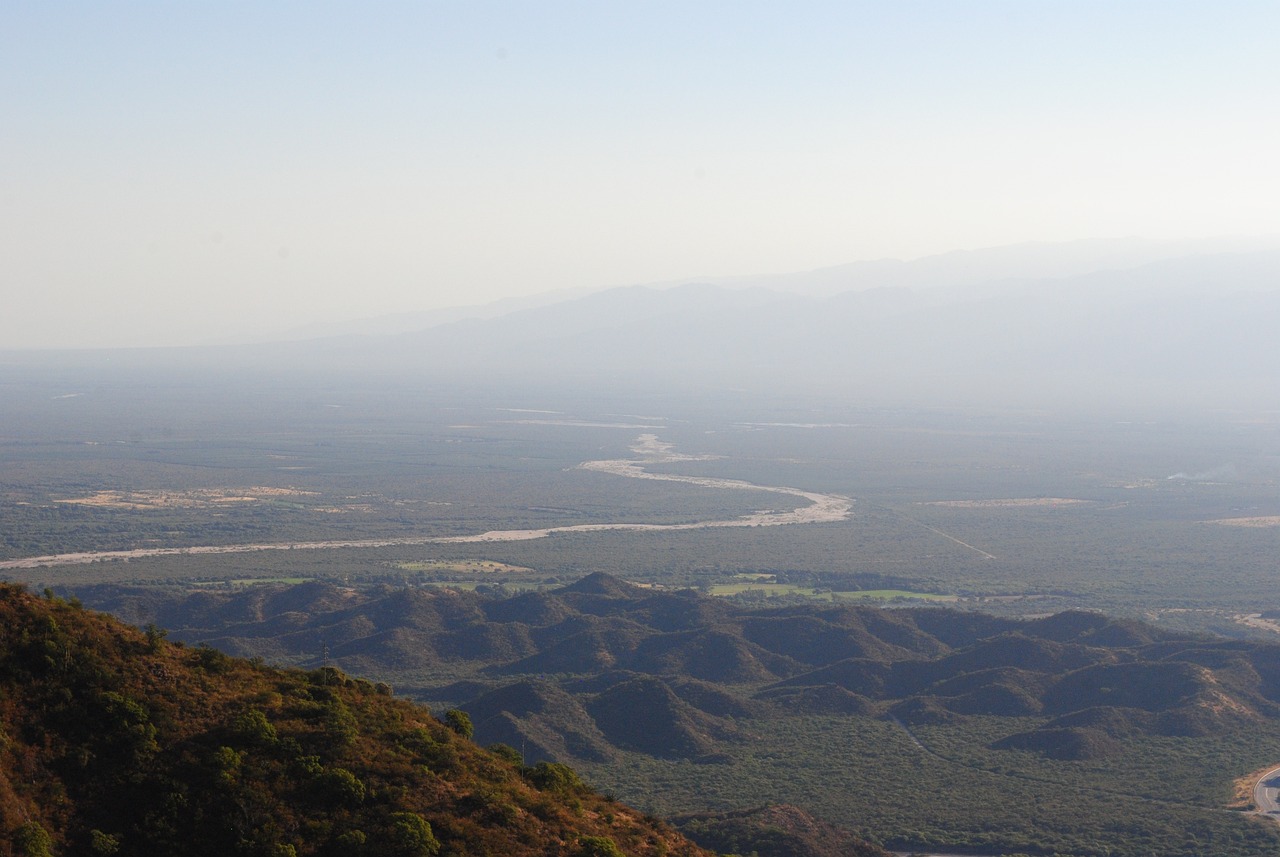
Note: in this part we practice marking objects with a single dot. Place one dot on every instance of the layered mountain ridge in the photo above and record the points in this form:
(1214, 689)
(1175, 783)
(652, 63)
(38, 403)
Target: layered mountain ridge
(601, 665)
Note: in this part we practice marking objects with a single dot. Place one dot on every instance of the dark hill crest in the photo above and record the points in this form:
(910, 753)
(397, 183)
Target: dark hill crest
(720, 658)
(645, 714)
(684, 610)
(539, 719)
(1093, 629)
(600, 583)
(714, 654)
(529, 608)
(814, 639)
(1148, 686)
(1066, 744)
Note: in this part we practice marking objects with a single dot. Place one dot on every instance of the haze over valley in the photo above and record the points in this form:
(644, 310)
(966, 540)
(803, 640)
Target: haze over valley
(590, 430)
(767, 583)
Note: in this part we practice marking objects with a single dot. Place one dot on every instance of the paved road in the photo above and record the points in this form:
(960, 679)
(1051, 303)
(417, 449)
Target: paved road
(1266, 794)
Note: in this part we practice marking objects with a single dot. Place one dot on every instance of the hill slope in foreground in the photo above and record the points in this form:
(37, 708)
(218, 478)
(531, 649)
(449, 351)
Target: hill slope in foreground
(118, 742)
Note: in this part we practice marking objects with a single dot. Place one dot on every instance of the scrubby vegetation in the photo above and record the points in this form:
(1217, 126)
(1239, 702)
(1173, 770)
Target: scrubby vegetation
(915, 726)
(118, 742)
(774, 831)
(1089, 736)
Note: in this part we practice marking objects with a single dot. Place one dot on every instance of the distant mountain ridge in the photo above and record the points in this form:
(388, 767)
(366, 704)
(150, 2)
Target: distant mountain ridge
(1124, 324)
(1182, 329)
(978, 272)
(992, 269)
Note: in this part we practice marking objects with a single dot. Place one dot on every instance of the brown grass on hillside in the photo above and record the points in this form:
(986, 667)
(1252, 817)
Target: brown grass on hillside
(1242, 789)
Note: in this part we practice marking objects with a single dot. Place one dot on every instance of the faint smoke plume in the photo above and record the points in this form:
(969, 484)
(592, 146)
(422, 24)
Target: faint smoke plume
(1216, 474)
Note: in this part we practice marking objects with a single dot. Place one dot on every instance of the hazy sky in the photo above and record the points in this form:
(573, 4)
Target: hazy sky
(173, 171)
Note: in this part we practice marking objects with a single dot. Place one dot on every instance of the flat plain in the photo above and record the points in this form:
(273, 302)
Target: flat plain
(1164, 516)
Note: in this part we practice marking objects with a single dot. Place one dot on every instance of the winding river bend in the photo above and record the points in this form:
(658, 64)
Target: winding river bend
(817, 508)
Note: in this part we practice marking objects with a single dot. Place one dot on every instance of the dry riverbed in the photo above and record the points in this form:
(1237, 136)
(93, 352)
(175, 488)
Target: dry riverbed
(817, 508)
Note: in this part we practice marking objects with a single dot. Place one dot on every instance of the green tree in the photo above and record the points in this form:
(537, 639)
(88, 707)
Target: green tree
(459, 721)
(410, 835)
(339, 787)
(254, 729)
(555, 777)
(32, 840)
(103, 843)
(598, 846)
(155, 637)
(124, 729)
(507, 752)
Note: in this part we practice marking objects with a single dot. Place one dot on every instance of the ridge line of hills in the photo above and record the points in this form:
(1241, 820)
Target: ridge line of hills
(734, 705)
(1164, 332)
(577, 672)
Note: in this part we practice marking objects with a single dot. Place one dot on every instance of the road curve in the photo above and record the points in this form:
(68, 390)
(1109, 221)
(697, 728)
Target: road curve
(819, 508)
(1266, 793)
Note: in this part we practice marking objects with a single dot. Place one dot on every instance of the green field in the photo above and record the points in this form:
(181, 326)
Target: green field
(771, 590)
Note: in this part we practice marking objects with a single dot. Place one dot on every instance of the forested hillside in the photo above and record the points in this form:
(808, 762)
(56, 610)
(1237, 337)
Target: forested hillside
(117, 741)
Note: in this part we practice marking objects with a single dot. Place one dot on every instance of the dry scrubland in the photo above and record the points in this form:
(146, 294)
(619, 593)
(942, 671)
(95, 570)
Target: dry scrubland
(681, 702)
(1016, 513)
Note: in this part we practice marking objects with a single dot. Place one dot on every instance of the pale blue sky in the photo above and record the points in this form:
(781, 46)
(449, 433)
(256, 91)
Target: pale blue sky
(171, 172)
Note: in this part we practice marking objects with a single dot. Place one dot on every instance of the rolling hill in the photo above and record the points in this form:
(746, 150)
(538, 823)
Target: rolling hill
(689, 667)
(687, 703)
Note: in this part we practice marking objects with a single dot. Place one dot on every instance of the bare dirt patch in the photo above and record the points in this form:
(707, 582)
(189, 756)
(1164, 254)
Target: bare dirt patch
(1260, 521)
(1256, 620)
(1242, 789)
(198, 498)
